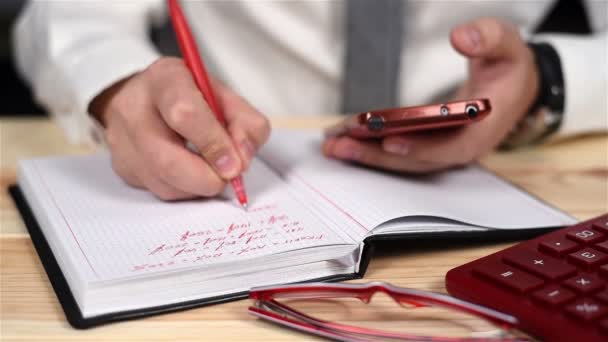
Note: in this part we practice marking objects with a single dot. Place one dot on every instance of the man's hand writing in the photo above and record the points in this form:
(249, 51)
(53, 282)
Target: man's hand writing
(150, 116)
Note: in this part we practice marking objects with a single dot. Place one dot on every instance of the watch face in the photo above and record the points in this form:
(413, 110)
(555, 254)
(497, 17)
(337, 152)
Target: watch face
(532, 128)
(550, 117)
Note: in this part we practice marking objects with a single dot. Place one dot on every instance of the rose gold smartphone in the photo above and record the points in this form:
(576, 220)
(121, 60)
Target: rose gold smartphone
(385, 122)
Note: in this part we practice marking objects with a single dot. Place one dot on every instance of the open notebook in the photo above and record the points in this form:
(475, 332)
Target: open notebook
(114, 252)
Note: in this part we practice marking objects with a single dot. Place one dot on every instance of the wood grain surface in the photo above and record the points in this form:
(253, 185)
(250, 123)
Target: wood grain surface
(570, 174)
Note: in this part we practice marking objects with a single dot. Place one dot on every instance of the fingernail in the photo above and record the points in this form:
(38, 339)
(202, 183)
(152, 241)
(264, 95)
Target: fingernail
(247, 149)
(347, 152)
(401, 148)
(225, 164)
(474, 37)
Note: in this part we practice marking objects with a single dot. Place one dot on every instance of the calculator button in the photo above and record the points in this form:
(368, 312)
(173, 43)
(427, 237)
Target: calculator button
(539, 264)
(588, 258)
(604, 271)
(602, 296)
(601, 225)
(584, 284)
(508, 276)
(585, 235)
(554, 296)
(587, 309)
(602, 246)
(604, 326)
(558, 246)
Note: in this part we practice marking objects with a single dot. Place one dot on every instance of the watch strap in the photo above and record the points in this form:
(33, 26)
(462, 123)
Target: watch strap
(545, 115)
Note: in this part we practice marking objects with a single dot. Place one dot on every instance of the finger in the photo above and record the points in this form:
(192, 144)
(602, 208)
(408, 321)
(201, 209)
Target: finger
(185, 111)
(328, 146)
(162, 190)
(447, 147)
(183, 169)
(487, 37)
(166, 156)
(372, 154)
(126, 173)
(127, 169)
(128, 163)
(148, 179)
(248, 128)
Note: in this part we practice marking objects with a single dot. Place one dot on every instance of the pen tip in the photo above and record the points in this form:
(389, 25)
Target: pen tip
(244, 205)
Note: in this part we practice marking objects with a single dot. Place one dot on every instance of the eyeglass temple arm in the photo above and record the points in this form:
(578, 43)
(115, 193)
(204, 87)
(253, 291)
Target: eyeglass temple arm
(365, 291)
(342, 331)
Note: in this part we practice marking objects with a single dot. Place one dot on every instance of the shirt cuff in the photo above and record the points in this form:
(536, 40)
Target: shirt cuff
(102, 65)
(583, 62)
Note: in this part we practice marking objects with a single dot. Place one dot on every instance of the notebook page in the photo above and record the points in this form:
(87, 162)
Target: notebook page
(369, 197)
(116, 232)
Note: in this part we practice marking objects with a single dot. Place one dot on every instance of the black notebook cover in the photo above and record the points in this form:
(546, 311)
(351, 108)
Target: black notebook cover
(76, 319)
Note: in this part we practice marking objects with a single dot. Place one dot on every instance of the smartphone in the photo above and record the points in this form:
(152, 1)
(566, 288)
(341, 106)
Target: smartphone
(385, 122)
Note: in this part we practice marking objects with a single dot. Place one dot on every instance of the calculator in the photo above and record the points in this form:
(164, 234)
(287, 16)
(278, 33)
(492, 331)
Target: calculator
(556, 285)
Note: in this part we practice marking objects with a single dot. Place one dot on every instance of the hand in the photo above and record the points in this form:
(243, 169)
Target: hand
(501, 68)
(150, 116)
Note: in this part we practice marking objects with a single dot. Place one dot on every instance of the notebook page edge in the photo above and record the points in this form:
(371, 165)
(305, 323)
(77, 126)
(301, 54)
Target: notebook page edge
(222, 285)
(25, 179)
(552, 216)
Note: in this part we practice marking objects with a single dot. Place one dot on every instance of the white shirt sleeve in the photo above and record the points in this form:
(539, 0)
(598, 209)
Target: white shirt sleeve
(584, 61)
(584, 64)
(69, 52)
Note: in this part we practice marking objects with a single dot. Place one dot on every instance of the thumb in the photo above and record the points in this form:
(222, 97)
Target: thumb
(487, 38)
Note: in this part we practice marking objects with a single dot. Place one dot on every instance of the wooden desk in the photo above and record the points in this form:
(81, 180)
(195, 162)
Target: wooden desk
(572, 175)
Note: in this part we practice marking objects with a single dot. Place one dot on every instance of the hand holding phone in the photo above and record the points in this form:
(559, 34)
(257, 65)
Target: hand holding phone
(386, 122)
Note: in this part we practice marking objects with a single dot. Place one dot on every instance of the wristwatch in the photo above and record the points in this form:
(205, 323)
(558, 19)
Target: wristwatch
(545, 115)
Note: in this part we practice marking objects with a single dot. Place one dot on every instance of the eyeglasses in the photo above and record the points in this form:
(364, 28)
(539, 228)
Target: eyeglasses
(322, 309)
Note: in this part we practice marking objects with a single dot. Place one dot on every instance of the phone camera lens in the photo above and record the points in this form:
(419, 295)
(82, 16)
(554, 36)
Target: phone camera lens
(375, 122)
(444, 111)
(471, 110)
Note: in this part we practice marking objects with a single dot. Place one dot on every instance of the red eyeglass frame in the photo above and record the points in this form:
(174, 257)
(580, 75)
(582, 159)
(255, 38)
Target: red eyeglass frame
(265, 298)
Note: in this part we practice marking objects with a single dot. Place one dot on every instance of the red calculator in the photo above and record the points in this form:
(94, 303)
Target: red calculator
(556, 284)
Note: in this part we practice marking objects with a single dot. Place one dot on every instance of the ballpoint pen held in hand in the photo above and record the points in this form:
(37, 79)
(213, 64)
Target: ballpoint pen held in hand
(195, 64)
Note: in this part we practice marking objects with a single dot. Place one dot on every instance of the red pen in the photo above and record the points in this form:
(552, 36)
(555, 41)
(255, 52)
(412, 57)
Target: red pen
(195, 64)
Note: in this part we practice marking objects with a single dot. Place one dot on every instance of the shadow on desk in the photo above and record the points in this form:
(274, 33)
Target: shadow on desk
(421, 260)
